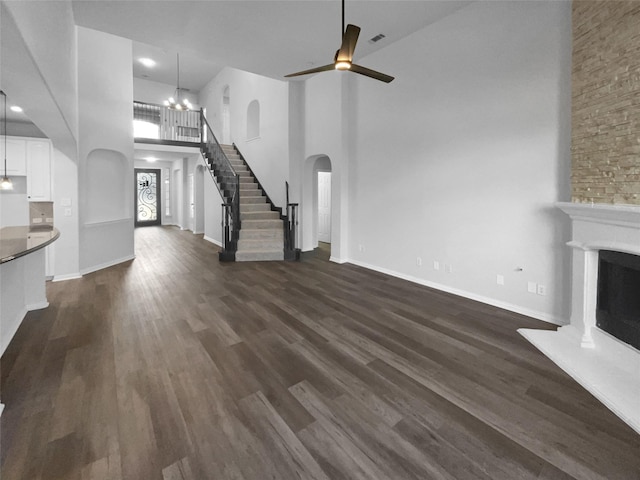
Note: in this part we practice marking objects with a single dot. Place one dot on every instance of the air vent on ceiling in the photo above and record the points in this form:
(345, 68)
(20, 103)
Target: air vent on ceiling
(377, 38)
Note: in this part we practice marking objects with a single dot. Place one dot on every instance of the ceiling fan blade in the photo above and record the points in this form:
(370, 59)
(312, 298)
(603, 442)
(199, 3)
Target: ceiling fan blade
(324, 68)
(371, 73)
(349, 40)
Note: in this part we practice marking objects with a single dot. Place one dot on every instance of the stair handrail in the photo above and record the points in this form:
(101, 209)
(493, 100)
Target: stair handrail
(291, 227)
(229, 188)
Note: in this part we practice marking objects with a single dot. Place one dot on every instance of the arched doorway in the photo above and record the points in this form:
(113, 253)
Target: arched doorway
(317, 201)
(226, 116)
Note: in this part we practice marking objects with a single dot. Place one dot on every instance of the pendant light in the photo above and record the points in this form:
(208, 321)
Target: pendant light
(5, 182)
(174, 103)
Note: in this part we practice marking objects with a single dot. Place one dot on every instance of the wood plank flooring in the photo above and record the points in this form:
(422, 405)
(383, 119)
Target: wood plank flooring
(177, 367)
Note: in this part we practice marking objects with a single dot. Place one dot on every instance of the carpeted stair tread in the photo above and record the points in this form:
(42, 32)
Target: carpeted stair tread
(264, 224)
(261, 234)
(260, 256)
(257, 244)
(252, 199)
(255, 207)
(266, 215)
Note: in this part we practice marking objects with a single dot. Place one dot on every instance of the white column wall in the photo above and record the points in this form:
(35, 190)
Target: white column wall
(105, 92)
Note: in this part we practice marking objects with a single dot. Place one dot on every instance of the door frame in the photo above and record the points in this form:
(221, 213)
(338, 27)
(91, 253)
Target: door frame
(158, 220)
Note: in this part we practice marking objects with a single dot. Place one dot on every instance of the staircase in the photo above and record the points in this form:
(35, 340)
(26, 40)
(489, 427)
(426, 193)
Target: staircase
(261, 236)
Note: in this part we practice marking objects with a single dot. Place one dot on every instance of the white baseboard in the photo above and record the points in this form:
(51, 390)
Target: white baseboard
(211, 240)
(67, 276)
(102, 266)
(463, 293)
(340, 260)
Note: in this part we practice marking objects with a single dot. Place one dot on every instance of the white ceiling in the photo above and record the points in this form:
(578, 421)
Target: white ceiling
(270, 38)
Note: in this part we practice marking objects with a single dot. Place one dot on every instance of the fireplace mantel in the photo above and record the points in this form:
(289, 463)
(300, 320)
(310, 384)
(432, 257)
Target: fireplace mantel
(607, 367)
(620, 215)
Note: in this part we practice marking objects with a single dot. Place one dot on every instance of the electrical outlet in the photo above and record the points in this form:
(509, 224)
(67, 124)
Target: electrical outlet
(448, 268)
(542, 290)
(532, 287)
(436, 265)
(419, 261)
(500, 279)
(67, 212)
(361, 248)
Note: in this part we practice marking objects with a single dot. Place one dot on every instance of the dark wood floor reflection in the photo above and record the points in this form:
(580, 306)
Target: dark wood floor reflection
(175, 366)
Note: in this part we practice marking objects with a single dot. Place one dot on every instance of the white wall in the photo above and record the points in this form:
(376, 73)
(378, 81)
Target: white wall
(461, 158)
(105, 91)
(148, 91)
(65, 250)
(268, 155)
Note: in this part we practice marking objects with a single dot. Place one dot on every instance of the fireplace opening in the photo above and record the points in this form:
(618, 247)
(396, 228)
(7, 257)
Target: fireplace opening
(618, 304)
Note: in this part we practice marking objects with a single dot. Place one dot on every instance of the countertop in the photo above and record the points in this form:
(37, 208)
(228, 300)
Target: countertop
(16, 242)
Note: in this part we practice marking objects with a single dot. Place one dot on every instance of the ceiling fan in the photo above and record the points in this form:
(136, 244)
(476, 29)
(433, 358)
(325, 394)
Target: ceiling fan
(344, 56)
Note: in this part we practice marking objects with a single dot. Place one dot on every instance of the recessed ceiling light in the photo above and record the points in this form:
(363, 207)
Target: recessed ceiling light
(147, 62)
(15, 108)
(151, 159)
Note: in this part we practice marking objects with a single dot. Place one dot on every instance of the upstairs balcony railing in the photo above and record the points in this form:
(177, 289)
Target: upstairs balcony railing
(157, 122)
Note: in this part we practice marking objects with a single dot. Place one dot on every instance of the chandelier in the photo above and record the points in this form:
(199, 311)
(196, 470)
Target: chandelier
(175, 103)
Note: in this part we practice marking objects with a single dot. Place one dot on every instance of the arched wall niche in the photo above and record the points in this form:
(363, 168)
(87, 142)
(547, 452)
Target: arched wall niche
(226, 115)
(108, 189)
(253, 120)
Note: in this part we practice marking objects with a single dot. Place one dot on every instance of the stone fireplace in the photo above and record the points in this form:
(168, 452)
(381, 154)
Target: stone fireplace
(602, 363)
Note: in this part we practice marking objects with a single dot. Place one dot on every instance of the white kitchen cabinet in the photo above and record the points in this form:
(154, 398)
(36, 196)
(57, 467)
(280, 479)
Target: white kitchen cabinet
(16, 156)
(38, 170)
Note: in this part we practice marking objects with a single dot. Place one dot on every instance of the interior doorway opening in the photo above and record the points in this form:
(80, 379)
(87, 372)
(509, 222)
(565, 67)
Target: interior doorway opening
(324, 206)
(310, 201)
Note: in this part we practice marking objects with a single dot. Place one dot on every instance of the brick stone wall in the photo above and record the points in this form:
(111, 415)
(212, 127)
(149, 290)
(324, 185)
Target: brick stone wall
(605, 143)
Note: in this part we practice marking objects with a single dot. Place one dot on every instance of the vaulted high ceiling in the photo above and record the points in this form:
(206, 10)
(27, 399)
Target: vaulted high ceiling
(270, 38)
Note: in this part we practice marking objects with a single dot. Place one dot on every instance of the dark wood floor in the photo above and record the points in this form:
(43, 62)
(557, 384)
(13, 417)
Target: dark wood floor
(175, 366)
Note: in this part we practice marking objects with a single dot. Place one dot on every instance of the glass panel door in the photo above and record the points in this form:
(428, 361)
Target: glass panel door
(147, 197)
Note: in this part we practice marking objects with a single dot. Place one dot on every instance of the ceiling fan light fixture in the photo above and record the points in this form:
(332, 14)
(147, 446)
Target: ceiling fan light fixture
(344, 57)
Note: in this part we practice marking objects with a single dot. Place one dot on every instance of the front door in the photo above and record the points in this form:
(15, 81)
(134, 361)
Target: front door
(147, 192)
